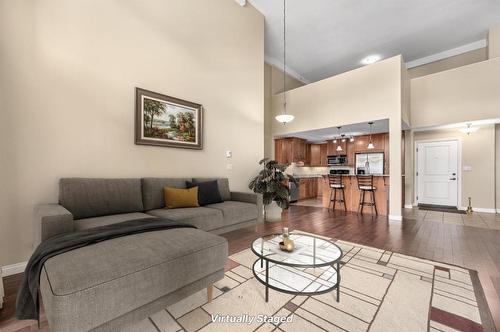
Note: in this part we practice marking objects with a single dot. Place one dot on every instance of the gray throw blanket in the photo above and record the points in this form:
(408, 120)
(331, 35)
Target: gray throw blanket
(27, 305)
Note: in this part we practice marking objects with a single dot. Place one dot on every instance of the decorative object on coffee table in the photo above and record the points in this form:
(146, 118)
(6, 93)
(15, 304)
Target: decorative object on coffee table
(272, 183)
(287, 244)
(312, 268)
(167, 121)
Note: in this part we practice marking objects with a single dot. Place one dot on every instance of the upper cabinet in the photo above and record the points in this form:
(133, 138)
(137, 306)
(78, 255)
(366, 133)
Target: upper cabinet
(297, 150)
(332, 148)
(323, 155)
(290, 149)
(315, 155)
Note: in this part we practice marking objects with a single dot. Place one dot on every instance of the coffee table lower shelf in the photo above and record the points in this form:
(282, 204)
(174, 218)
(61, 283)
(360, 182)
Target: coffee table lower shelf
(297, 280)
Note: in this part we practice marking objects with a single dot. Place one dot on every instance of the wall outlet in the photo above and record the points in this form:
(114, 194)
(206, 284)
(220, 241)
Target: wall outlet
(229, 154)
(229, 167)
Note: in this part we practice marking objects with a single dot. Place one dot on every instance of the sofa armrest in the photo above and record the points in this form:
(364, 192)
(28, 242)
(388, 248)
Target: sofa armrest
(50, 220)
(250, 198)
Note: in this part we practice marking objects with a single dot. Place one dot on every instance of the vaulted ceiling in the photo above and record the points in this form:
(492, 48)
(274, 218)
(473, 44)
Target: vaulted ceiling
(328, 37)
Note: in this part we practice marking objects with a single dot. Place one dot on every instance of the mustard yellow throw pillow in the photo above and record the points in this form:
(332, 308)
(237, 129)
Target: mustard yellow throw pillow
(178, 198)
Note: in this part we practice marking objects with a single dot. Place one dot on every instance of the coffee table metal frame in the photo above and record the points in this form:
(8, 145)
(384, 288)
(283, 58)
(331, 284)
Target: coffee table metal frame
(334, 264)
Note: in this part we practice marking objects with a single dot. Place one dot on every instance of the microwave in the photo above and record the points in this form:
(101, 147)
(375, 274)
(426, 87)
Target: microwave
(336, 160)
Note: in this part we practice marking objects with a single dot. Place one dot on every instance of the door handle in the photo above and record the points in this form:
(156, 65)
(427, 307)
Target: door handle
(453, 179)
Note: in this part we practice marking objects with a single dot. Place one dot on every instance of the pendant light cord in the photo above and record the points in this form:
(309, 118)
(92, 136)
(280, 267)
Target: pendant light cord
(284, 56)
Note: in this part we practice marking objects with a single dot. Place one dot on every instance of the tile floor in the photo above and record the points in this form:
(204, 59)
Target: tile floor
(477, 219)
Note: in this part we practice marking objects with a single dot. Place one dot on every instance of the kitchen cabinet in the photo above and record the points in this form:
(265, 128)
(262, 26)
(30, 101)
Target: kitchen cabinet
(350, 154)
(318, 153)
(332, 148)
(308, 188)
(319, 185)
(315, 152)
(322, 155)
(290, 149)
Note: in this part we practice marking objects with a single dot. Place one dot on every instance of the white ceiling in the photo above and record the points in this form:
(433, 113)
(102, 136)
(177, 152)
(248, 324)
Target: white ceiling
(321, 135)
(328, 37)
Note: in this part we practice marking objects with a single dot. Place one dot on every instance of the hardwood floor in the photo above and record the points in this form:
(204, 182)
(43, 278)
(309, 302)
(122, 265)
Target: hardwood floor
(476, 248)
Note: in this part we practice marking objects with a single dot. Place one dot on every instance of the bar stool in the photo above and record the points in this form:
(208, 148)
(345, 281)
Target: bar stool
(365, 183)
(337, 183)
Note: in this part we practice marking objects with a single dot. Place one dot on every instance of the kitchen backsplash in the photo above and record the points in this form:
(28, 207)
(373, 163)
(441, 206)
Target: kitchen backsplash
(301, 170)
(296, 170)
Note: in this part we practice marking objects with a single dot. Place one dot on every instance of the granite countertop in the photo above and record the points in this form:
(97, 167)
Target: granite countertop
(306, 176)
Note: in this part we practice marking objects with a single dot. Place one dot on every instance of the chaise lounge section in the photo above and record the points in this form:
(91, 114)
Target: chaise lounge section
(110, 284)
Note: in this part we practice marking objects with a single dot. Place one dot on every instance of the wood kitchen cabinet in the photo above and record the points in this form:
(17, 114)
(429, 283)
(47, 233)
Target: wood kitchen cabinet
(332, 148)
(322, 155)
(315, 151)
(308, 188)
(318, 155)
(290, 149)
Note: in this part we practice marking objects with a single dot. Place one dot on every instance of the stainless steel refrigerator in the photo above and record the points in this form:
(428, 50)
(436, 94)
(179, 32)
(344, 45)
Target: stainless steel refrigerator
(370, 163)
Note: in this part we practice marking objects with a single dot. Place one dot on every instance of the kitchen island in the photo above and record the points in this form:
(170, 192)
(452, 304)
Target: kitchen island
(381, 182)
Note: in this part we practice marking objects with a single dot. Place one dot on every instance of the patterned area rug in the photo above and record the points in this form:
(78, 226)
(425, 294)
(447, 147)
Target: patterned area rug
(380, 291)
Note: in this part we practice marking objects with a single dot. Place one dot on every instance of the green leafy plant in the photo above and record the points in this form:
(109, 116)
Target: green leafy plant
(271, 183)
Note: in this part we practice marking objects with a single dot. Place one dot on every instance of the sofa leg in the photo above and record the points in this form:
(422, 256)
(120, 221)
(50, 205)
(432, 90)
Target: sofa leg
(210, 292)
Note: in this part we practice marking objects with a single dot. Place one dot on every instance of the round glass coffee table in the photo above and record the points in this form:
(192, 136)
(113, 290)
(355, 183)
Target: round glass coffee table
(312, 268)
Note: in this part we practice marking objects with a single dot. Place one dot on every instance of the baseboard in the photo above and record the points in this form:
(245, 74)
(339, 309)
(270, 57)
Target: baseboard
(395, 217)
(9, 270)
(482, 210)
(408, 206)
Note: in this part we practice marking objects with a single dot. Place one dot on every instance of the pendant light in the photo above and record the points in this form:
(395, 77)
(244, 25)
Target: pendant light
(469, 130)
(284, 118)
(370, 144)
(339, 147)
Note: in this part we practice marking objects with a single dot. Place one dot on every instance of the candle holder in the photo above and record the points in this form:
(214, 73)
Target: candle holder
(287, 243)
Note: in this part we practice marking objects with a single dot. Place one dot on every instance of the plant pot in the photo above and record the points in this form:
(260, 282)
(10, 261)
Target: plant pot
(273, 212)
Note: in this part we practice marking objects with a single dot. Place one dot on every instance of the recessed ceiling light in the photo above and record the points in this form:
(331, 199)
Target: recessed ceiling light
(370, 59)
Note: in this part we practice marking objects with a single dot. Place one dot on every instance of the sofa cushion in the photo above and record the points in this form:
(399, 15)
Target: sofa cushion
(86, 198)
(236, 212)
(113, 277)
(180, 198)
(152, 190)
(108, 220)
(222, 183)
(208, 192)
(201, 217)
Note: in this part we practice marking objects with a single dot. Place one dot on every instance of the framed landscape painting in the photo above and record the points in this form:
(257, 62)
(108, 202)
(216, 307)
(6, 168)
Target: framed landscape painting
(167, 121)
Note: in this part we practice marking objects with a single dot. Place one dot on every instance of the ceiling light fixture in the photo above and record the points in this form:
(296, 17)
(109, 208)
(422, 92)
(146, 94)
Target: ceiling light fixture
(370, 59)
(351, 139)
(284, 118)
(469, 130)
(370, 144)
(339, 147)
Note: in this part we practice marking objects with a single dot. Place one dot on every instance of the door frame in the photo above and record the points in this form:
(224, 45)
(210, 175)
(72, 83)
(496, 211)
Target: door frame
(459, 166)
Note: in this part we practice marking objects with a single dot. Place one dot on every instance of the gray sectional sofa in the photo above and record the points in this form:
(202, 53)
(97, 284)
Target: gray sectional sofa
(108, 285)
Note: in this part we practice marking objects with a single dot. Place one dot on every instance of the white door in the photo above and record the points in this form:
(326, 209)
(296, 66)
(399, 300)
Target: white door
(437, 173)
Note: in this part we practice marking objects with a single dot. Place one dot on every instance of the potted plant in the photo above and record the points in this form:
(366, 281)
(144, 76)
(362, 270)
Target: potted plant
(271, 182)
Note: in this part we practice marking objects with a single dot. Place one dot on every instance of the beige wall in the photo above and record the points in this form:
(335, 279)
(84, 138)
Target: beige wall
(69, 69)
(477, 151)
(494, 42)
(458, 95)
(273, 84)
(367, 93)
(497, 166)
(450, 63)
(372, 92)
